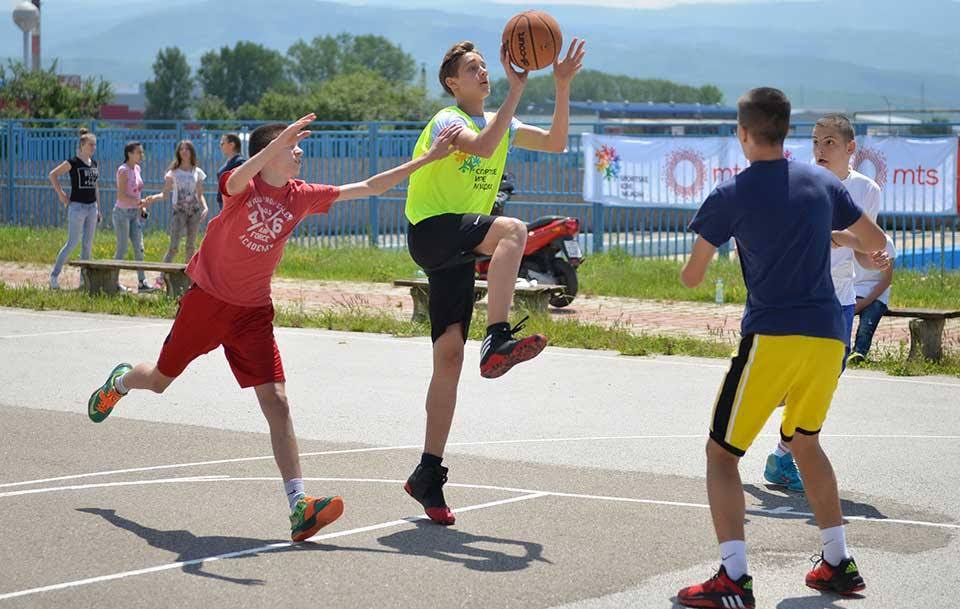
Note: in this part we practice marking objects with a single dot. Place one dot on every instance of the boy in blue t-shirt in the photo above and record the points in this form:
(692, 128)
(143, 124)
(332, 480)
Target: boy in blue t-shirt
(782, 216)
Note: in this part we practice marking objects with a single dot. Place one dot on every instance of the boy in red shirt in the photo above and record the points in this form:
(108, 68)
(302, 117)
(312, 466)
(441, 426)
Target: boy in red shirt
(229, 303)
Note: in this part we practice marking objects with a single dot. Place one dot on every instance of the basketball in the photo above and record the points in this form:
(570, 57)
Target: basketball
(533, 40)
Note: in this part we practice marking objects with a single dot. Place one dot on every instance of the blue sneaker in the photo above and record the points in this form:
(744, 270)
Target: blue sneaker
(782, 471)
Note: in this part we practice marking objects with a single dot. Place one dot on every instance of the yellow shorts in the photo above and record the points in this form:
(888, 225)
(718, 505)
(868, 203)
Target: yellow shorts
(764, 370)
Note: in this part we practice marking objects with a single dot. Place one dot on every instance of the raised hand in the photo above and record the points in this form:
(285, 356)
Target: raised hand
(296, 132)
(565, 69)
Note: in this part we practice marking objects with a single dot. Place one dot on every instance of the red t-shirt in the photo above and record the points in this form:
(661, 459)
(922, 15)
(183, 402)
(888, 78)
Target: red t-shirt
(244, 243)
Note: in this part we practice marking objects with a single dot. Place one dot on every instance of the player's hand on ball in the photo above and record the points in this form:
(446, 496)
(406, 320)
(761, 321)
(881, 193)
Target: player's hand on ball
(517, 79)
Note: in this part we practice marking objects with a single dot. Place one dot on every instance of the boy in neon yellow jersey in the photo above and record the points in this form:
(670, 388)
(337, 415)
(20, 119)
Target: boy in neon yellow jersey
(448, 206)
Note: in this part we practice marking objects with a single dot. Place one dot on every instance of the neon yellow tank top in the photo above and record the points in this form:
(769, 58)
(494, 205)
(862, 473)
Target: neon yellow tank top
(461, 183)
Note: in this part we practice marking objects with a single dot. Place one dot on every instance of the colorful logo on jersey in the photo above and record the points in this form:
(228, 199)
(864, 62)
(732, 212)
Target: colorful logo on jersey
(608, 162)
(468, 162)
(875, 158)
(681, 161)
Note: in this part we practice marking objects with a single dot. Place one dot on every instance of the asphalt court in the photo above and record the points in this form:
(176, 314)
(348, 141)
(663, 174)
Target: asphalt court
(578, 481)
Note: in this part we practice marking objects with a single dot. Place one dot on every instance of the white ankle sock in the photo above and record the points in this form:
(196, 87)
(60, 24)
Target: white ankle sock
(119, 386)
(294, 489)
(733, 555)
(782, 449)
(834, 545)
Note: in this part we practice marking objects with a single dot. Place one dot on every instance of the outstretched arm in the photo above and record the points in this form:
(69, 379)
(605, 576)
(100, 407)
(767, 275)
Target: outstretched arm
(382, 182)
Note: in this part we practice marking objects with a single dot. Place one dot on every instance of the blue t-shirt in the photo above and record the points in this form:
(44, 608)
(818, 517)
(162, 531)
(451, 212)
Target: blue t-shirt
(781, 214)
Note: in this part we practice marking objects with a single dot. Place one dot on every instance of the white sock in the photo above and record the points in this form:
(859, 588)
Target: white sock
(733, 555)
(294, 489)
(782, 449)
(834, 545)
(119, 386)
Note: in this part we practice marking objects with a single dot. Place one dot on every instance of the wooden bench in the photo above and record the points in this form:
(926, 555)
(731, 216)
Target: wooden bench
(532, 298)
(926, 330)
(103, 276)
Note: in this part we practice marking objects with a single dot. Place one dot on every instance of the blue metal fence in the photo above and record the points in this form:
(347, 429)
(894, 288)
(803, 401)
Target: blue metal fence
(339, 153)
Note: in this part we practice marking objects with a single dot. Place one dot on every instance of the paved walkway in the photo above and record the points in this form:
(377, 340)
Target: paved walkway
(704, 320)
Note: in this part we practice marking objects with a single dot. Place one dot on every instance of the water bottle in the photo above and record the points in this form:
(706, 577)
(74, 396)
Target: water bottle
(420, 274)
(718, 294)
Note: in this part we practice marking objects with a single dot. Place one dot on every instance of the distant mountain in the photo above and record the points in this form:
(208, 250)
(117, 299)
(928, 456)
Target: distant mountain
(825, 53)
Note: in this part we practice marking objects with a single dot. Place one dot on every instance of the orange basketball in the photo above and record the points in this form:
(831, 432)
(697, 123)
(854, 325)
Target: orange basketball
(533, 39)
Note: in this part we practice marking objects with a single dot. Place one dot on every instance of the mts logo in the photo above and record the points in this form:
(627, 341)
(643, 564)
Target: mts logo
(916, 177)
(522, 44)
(723, 173)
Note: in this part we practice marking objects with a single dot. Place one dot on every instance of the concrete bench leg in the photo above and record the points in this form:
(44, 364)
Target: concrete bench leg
(177, 283)
(926, 339)
(421, 303)
(535, 303)
(100, 280)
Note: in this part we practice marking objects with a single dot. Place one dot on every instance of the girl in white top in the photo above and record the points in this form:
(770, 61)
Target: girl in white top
(185, 181)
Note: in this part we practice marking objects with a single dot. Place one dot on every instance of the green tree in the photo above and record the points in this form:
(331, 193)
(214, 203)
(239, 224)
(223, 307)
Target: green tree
(326, 57)
(242, 75)
(27, 94)
(600, 86)
(366, 96)
(212, 108)
(170, 92)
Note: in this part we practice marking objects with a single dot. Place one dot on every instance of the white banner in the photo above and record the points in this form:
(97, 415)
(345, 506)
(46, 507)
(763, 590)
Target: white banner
(917, 176)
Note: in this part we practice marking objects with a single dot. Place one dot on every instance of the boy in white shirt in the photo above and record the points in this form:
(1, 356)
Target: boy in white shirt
(834, 143)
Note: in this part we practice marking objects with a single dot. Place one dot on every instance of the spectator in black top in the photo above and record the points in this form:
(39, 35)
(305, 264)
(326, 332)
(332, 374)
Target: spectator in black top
(230, 147)
(83, 208)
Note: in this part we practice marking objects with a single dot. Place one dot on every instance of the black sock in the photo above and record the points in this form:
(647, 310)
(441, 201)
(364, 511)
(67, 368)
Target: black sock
(428, 460)
(498, 328)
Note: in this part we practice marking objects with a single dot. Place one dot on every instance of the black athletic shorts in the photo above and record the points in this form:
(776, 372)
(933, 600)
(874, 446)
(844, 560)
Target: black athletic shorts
(443, 247)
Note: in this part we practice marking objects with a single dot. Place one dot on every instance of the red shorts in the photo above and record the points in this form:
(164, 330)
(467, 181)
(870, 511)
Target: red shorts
(203, 323)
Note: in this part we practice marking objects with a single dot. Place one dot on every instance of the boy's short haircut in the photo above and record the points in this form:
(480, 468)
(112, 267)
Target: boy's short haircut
(451, 62)
(841, 123)
(765, 114)
(234, 140)
(263, 135)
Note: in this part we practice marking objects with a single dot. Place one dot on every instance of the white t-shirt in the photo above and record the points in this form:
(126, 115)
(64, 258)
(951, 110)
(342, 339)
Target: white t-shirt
(185, 189)
(866, 194)
(867, 279)
(445, 118)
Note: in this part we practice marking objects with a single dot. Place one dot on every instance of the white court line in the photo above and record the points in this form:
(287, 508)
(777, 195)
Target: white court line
(780, 511)
(83, 331)
(371, 449)
(266, 548)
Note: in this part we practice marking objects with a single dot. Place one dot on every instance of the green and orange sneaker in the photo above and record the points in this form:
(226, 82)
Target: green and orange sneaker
(101, 403)
(312, 514)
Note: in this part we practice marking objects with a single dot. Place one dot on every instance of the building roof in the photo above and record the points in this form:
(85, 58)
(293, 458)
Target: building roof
(657, 110)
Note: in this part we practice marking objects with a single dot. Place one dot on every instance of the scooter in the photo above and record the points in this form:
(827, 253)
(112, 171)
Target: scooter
(552, 254)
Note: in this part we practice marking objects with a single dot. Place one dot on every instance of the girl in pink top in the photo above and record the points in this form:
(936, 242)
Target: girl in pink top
(126, 212)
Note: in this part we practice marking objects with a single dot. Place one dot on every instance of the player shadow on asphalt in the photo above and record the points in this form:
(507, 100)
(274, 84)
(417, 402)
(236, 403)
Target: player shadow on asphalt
(776, 505)
(187, 545)
(427, 540)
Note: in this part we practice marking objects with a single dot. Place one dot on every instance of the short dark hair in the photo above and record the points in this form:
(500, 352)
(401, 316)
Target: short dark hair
(263, 135)
(765, 114)
(128, 150)
(841, 123)
(451, 61)
(234, 140)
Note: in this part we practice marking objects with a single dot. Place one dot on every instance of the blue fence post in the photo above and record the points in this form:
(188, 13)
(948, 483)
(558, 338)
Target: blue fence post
(11, 201)
(374, 202)
(598, 229)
